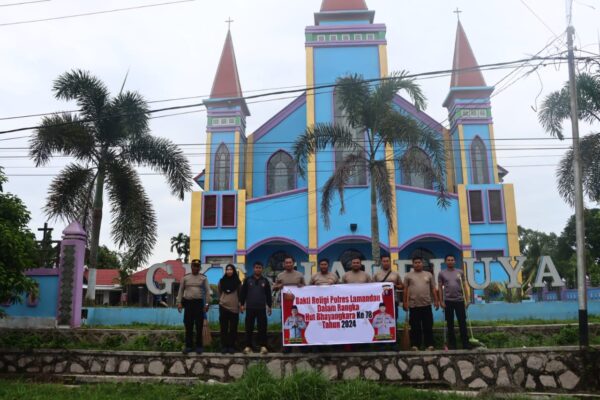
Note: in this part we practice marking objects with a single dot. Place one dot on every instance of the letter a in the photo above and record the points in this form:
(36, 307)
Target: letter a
(546, 269)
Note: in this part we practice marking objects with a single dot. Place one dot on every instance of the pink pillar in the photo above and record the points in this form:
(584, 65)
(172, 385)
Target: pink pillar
(70, 287)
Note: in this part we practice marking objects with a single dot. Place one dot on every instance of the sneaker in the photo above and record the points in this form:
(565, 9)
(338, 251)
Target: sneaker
(199, 350)
(286, 350)
(247, 350)
(430, 348)
(263, 350)
(187, 350)
(414, 348)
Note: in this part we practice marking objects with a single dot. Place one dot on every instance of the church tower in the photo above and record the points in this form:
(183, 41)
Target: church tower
(487, 206)
(470, 116)
(343, 41)
(223, 180)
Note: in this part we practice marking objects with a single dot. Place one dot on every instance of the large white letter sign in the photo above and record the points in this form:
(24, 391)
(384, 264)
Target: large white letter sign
(470, 270)
(546, 269)
(152, 288)
(513, 273)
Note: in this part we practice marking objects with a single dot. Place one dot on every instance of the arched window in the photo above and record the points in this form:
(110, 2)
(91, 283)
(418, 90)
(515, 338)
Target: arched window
(281, 173)
(347, 256)
(222, 168)
(359, 176)
(479, 164)
(415, 165)
(427, 256)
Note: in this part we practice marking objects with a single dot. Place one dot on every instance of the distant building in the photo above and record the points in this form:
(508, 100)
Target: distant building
(255, 206)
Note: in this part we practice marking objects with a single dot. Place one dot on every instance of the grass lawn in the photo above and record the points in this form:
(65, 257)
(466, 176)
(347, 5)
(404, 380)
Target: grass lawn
(257, 384)
(277, 327)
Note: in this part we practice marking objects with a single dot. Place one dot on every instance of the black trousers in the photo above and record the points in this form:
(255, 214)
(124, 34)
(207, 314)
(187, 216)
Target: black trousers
(259, 316)
(458, 308)
(193, 315)
(421, 326)
(229, 324)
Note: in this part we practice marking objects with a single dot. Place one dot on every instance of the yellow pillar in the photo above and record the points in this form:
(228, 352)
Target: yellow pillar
(449, 151)
(312, 161)
(241, 226)
(511, 220)
(249, 166)
(391, 166)
(463, 154)
(236, 161)
(207, 162)
(196, 226)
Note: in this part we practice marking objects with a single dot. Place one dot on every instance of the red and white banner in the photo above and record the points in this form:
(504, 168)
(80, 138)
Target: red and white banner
(338, 314)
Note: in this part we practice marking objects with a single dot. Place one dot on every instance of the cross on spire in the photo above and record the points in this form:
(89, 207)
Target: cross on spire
(228, 22)
(458, 11)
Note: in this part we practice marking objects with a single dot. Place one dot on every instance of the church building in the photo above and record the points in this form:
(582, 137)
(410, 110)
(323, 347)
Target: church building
(254, 206)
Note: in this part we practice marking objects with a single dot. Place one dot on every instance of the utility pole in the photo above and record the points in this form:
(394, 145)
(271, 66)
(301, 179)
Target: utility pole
(579, 219)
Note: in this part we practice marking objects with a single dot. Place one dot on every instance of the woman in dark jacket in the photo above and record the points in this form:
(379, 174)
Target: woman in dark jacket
(229, 308)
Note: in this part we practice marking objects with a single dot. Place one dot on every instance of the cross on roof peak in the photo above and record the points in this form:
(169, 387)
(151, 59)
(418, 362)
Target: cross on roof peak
(458, 11)
(228, 22)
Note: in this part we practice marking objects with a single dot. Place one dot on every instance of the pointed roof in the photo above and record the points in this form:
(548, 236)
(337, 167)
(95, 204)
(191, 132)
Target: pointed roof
(343, 5)
(227, 80)
(464, 59)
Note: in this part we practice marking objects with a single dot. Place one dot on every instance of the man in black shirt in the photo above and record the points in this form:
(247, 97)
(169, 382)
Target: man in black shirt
(255, 299)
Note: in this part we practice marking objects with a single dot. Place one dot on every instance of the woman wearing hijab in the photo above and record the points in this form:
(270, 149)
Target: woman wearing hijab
(229, 308)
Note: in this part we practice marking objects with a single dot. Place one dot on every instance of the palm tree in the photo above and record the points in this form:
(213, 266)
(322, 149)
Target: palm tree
(556, 108)
(181, 244)
(108, 138)
(369, 108)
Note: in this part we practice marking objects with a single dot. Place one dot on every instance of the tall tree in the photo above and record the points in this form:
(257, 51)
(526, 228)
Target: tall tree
(17, 248)
(109, 138)
(181, 244)
(369, 109)
(108, 259)
(534, 244)
(556, 108)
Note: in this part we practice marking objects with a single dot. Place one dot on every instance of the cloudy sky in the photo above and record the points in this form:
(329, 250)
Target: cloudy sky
(172, 51)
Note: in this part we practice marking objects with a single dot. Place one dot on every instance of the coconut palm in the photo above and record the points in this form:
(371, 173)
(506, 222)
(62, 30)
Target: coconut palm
(108, 138)
(369, 108)
(181, 244)
(555, 110)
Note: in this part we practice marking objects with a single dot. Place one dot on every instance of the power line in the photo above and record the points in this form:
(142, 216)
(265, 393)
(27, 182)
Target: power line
(31, 21)
(311, 89)
(23, 3)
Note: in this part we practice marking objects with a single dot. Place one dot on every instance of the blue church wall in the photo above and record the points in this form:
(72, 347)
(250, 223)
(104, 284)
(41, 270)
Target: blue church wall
(47, 302)
(284, 134)
(264, 219)
(263, 254)
(357, 202)
(419, 214)
(217, 248)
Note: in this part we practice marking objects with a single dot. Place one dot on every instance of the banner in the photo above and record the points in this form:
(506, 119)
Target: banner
(338, 314)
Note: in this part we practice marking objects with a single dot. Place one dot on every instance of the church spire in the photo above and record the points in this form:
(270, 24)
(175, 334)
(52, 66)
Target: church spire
(464, 59)
(227, 81)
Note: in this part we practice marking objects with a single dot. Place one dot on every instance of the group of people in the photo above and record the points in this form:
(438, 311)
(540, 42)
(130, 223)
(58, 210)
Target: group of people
(417, 294)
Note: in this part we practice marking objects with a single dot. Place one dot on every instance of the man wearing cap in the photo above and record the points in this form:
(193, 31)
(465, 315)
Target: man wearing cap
(193, 299)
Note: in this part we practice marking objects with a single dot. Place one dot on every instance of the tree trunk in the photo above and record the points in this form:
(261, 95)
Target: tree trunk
(95, 239)
(375, 252)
